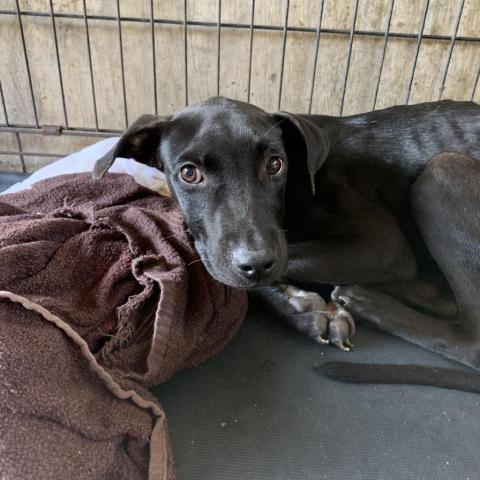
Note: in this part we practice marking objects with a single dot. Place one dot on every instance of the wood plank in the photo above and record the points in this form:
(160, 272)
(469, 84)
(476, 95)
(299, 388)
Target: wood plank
(441, 17)
(298, 71)
(75, 72)
(470, 22)
(63, 145)
(204, 11)
(202, 63)
(338, 15)
(170, 10)
(43, 67)
(137, 52)
(170, 53)
(407, 16)
(234, 60)
(266, 65)
(270, 12)
(304, 13)
(14, 78)
(329, 77)
(107, 74)
(427, 81)
(373, 15)
(9, 163)
(234, 11)
(394, 82)
(366, 58)
(462, 71)
(362, 79)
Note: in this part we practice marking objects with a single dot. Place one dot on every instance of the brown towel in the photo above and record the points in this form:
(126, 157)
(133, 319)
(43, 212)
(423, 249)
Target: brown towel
(111, 264)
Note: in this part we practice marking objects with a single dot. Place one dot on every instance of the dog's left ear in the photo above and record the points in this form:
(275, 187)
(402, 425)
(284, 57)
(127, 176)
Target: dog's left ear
(140, 142)
(315, 141)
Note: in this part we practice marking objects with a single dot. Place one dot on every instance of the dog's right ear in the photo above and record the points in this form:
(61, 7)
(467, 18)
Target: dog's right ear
(140, 142)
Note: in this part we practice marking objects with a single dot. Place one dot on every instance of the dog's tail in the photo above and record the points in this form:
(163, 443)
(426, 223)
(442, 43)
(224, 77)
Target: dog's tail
(401, 374)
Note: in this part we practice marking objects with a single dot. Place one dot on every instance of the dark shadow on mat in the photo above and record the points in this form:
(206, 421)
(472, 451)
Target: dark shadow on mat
(258, 411)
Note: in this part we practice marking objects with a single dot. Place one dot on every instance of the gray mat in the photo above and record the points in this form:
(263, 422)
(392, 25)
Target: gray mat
(257, 411)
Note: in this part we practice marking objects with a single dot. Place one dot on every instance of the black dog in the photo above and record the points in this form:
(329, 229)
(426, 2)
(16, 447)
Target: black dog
(311, 200)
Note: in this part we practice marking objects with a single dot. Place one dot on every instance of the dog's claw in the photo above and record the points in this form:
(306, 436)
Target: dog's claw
(341, 346)
(345, 346)
(325, 323)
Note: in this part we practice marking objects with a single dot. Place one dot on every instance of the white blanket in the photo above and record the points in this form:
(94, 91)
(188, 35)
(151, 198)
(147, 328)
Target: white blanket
(84, 160)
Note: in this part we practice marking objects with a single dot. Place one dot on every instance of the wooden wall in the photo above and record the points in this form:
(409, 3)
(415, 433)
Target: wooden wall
(363, 89)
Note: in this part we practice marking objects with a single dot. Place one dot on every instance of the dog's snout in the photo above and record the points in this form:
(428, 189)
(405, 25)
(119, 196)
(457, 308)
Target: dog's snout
(254, 265)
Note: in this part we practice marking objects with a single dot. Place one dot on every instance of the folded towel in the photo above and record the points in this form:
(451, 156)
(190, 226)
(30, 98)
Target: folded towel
(103, 296)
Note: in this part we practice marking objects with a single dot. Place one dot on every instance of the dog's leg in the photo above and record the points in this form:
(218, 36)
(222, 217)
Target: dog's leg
(445, 201)
(363, 259)
(429, 296)
(389, 315)
(308, 313)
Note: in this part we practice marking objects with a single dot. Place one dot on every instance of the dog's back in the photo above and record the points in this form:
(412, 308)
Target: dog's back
(407, 135)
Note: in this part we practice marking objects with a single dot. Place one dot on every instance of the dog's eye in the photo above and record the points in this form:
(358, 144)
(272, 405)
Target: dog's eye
(274, 165)
(191, 174)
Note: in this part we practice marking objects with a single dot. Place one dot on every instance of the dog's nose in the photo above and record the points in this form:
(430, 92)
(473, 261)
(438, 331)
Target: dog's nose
(254, 265)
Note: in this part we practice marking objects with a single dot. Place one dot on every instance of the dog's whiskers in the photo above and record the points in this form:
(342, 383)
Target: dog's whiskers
(272, 144)
(180, 235)
(194, 261)
(271, 128)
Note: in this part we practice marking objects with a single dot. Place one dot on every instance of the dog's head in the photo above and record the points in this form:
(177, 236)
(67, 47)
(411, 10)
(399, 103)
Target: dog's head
(227, 164)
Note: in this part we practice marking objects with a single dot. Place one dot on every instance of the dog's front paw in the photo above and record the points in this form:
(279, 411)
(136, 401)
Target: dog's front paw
(325, 323)
(341, 326)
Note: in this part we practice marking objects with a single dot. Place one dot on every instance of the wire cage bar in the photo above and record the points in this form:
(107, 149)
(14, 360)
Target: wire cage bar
(59, 66)
(89, 50)
(417, 50)
(315, 58)
(221, 27)
(350, 45)
(384, 50)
